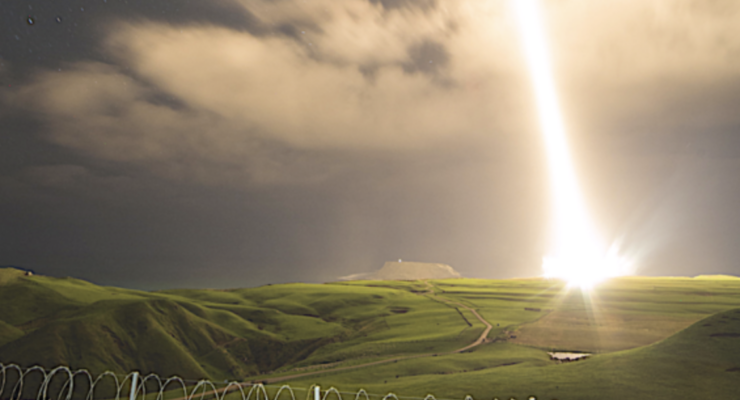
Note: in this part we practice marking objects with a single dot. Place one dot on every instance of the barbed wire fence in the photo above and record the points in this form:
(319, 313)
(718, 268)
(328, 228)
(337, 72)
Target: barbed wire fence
(64, 383)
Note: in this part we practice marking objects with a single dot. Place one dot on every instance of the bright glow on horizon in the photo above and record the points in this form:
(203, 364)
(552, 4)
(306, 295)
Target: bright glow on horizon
(578, 254)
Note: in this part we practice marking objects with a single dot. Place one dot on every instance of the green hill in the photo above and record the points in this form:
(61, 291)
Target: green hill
(699, 361)
(702, 361)
(656, 338)
(213, 333)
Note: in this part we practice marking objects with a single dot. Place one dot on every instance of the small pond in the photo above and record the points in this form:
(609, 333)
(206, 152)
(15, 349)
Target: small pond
(565, 356)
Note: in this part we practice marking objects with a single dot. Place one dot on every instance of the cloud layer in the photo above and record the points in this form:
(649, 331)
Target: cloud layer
(359, 75)
(386, 116)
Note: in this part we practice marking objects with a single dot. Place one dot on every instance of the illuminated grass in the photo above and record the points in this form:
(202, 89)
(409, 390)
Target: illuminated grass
(220, 334)
(244, 334)
(702, 361)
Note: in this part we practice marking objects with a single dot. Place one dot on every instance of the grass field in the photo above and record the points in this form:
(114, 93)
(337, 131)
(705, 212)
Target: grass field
(665, 327)
(702, 361)
(218, 334)
(652, 337)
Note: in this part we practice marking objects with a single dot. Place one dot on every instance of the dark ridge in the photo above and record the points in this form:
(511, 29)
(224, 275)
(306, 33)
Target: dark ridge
(725, 334)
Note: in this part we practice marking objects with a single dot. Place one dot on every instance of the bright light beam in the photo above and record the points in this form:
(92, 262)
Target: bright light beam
(577, 254)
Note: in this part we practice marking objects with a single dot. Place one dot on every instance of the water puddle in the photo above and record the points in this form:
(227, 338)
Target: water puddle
(564, 356)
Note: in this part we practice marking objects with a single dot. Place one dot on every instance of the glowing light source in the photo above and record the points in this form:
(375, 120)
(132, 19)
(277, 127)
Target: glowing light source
(577, 254)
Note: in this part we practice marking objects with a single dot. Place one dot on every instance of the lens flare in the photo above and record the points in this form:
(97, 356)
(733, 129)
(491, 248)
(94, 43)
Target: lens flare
(577, 255)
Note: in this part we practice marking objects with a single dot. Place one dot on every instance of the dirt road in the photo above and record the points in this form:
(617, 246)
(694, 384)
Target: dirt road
(482, 338)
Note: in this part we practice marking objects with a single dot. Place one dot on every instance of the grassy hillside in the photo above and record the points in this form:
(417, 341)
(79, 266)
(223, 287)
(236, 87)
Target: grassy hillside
(660, 363)
(621, 314)
(702, 361)
(212, 333)
(653, 337)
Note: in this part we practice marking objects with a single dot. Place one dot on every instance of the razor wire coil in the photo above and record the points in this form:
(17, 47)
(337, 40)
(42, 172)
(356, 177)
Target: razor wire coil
(123, 385)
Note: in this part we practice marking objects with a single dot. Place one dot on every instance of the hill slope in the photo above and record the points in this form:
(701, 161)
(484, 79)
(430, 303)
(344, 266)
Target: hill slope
(212, 334)
(702, 362)
(288, 330)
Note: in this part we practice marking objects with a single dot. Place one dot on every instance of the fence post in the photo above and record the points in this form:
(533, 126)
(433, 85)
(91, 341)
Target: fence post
(134, 378)
(317, 392)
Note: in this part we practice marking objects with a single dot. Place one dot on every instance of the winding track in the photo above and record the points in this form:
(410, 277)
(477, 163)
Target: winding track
(480, 340)
(483, 336)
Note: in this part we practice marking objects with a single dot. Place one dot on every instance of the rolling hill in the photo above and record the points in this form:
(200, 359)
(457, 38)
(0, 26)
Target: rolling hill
(701, 361)
(212, 333)
(652, 337)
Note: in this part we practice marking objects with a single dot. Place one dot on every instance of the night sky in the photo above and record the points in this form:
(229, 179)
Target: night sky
(234, 143)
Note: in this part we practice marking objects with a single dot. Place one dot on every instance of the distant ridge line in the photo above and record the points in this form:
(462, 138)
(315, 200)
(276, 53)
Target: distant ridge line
(407, 271)
(717, 276)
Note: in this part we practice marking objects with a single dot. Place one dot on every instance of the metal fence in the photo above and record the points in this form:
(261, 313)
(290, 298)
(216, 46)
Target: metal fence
(63, 383)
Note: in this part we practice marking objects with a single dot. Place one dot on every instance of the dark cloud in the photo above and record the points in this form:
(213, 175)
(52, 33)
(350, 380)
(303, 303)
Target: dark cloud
(49, 43)
(428, 57)
(392, 4)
